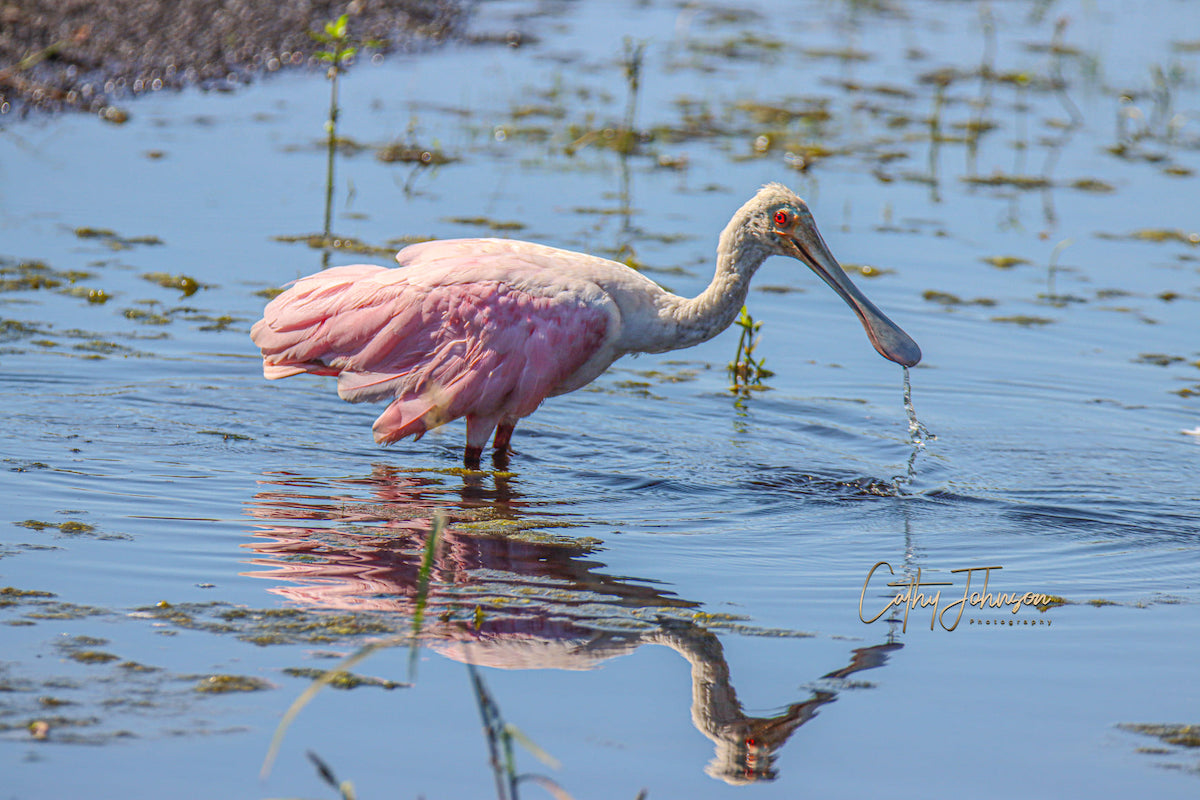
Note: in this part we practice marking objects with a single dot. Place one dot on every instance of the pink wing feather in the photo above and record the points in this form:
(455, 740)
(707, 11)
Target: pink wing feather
(454, 333)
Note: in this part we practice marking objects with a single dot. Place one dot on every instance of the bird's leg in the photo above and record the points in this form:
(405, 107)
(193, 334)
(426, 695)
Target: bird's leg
(504, 436)
(471, 456)
(479, 430)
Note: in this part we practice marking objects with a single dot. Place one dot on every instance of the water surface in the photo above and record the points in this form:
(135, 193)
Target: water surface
(668, 577)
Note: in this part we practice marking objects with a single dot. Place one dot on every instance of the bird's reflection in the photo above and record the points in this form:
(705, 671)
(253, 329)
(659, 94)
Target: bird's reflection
(507, 592)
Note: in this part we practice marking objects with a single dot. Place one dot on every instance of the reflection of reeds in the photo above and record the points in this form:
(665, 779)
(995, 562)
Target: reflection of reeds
(431, 547)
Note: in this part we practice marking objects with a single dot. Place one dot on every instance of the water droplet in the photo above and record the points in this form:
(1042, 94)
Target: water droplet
(918, 434)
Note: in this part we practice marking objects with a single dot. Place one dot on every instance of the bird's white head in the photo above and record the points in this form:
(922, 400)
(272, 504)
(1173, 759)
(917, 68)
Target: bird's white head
(777, 222)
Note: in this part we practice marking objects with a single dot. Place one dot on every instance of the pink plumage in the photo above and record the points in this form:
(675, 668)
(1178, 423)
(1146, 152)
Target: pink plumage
(486, 329)
(470, 328)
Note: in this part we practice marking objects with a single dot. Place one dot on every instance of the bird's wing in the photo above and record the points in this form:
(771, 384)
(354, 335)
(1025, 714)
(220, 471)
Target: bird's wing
(481, 334)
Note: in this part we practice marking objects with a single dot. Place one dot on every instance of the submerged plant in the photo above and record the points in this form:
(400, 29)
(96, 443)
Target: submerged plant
(500, 737)
(345, 789)
(746, 370)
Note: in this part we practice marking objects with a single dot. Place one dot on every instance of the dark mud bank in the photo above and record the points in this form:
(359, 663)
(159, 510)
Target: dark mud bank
(92, 54)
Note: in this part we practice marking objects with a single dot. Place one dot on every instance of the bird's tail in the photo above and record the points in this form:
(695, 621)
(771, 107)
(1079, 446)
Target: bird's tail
(296, 334)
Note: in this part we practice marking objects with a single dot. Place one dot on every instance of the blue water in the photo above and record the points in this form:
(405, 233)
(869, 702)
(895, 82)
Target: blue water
(660, 546)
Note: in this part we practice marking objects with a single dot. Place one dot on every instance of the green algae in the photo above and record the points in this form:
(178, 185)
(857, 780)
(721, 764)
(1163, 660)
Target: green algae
(1092, 185)
(1020, 182)
(71, 528)
(93, 656)
(1052, 601)
(266, 627)
(1005, 262)
(1158, 359)
(185, 284)
(1174, 734)
(346, 244)
(225, 684)
(1024, 320)
(488, 222)
(1156, 235)
(398, 153)
(93, 296)
(113, 240)
(145, 317)
(867, 270)
(227, 436)
(34, 275)
(948, 299)
(342, 679)
(14, 592)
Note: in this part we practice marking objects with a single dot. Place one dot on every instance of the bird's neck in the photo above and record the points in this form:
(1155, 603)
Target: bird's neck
(700, 318)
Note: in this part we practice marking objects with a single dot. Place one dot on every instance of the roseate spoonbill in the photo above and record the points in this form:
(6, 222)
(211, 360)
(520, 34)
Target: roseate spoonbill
(489, 328)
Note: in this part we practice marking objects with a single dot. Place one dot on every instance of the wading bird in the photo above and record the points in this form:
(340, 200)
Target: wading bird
(487, 329)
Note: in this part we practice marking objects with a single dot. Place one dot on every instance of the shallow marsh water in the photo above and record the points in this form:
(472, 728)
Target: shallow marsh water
(667, 570)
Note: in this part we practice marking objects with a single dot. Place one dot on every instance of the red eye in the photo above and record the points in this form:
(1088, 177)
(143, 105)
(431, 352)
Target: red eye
(782, 218)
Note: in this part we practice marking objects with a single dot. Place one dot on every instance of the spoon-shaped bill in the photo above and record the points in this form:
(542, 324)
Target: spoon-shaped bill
(889, 340)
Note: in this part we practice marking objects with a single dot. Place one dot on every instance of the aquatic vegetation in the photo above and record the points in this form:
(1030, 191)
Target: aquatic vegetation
(1158, 359)
(626, 138)
(1024, 320)
(1093, 185)
(489, 223)
(1005, 262)
(1022, 182)
(92, 656)
(948, 299)
(746, 371)
(881, 164)
(867, 270)
(185, 284)
(72, 528)
(115, 241)
(146, 317)
(9, 593)
(745, 46)
(93, 296)
(1159, 235)
(402, 153)
(340, 51)
(1052, 601)
(33, 275)
(327, 242)
(345, 789)
(228, 436)
(224, 684)
(501, 736)
(342, 679)
(1172, 736)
